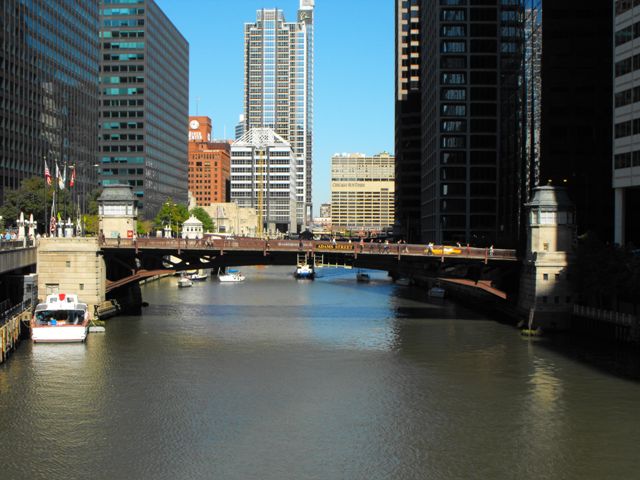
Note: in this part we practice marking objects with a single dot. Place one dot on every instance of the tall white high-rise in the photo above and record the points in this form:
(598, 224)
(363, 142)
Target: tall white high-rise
(278, 87)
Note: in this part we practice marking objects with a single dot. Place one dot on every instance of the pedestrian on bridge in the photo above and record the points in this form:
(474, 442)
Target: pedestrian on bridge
(430, 248)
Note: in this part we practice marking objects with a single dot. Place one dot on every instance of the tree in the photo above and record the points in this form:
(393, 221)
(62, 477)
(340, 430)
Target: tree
(202, 215)
(91, 220)
(144, 227)
(171, 214)
(30, 199)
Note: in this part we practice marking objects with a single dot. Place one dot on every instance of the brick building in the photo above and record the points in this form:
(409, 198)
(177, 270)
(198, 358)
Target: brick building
(209, 164)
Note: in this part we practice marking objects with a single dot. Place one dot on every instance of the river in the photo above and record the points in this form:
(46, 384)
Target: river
(275, 378)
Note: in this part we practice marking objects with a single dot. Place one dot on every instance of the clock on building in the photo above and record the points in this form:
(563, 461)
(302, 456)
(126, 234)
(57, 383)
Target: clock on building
(194, 124)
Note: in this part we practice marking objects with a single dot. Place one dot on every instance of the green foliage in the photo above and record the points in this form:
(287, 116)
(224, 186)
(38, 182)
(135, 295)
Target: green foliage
(30, 199)
(92, 203)
(91, 224)
(171, 214)
(144, 227)
(201, 214)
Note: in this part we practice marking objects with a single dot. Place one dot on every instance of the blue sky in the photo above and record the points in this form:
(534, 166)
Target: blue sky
(354, 71)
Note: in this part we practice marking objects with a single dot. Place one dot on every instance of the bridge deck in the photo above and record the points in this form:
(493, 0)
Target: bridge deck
(313, 246)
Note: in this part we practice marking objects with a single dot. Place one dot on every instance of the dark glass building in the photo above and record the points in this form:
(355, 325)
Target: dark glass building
(49, 58)
(576, 108)
(144, 100)
(408, 120)
(471, 63)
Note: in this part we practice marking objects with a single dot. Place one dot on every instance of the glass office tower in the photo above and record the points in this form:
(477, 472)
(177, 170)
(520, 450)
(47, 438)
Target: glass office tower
(279, 87)
(49, 91)
(471, 65)
(407, 120)
(144, 100)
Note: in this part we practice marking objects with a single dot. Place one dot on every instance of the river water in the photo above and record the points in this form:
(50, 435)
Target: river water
(328, 379)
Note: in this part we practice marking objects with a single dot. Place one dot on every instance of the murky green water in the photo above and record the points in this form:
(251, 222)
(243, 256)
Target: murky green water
(282, 379)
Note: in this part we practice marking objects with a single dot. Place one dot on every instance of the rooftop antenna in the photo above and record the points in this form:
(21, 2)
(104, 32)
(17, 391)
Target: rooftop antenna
(197, 102)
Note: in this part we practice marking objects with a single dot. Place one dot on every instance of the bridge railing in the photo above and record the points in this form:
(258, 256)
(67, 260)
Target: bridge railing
(16, 244)
(256, 244)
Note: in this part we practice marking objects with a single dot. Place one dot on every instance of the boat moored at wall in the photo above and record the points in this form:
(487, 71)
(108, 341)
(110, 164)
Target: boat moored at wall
(61, 318)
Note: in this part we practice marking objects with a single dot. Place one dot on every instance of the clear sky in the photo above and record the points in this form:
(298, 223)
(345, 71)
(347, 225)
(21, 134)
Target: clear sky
(354, 71)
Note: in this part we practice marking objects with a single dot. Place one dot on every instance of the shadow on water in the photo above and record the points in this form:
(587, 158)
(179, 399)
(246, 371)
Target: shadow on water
(604, 356)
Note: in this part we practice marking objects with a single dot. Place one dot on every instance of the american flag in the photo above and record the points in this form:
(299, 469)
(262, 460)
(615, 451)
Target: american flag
(47, 173)
(72, 182)
(52, 225)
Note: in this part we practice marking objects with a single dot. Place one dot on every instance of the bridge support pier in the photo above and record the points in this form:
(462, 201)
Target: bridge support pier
(71, 265)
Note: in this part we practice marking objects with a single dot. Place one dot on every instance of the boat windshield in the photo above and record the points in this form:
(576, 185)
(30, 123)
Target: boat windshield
(59, 317)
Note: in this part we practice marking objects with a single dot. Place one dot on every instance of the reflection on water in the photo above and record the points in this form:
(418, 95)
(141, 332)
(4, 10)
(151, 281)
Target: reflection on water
(275, 378)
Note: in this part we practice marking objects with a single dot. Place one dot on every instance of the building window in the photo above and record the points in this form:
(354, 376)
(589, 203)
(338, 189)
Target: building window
(545, 276)
(453, 47)
(454, 94)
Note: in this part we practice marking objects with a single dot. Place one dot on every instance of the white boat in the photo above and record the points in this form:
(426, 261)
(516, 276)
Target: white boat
(199, 276)
(231, 276)
(436, 292)
(304, 271)
(184, 281)
(362, 277)
(62, 318)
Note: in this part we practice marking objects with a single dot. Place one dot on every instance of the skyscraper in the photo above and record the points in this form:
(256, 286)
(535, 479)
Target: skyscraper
(144, 76)
(626, 149)
(408, 119)
(48, 91)
(471, 162)
(278, 91)
(576, 109)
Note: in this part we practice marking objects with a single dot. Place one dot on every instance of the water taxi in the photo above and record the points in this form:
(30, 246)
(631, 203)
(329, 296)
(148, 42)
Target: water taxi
(304, 271)
(61, 318)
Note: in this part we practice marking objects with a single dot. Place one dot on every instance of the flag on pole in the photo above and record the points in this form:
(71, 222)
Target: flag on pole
(47, 173)
(72, 182)
(52, 225)
(60, 178)
(59, 218)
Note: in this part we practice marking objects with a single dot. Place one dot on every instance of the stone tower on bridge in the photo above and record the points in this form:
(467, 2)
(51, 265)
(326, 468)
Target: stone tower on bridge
(545, 292)
(117, 211)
